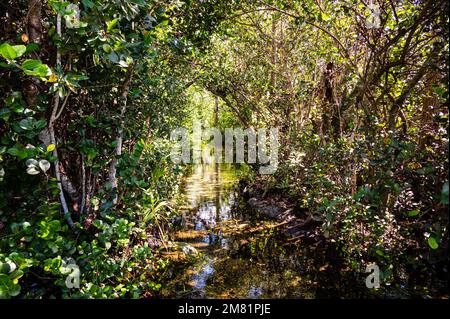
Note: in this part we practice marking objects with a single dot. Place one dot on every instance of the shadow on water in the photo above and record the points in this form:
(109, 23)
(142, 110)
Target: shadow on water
(227, 262)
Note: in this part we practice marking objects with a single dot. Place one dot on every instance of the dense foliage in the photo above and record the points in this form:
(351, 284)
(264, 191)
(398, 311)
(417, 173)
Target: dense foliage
(364, 118)
(90, 90)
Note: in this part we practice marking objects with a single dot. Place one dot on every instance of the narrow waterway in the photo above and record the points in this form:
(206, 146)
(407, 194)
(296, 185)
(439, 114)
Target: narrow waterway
(232, 253)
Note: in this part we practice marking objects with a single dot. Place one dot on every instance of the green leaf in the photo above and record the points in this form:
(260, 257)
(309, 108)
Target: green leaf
(54, 225)
(58, 6)
(380, 252)
(5, 268)
(32, 47)
(50, 147)
(88, 3)
(6, 65)
(113, 57)
(18, 151)
(107, 48)
(19, 49)
(97, 223)
(27, 124)
(324, 17)
(433, 243)
(5, 113)
(8, 288)
(40, 124)
(36, 68)
(14, 291)
(16, 274)
(413, 213)
(30, 65)
(13, 151)
(72, 79)
(9, 52)
(111, 24)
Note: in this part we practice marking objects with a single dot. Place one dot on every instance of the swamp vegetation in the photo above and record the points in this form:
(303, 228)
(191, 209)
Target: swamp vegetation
(91, 90)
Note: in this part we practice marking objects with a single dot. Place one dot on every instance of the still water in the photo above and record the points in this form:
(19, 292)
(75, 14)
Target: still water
(235, 254)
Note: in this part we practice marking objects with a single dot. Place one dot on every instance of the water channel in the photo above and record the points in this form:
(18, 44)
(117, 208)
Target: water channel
(236, 254)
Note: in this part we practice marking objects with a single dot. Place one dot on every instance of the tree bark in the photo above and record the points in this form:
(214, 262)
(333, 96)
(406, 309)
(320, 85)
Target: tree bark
(216, 111)
(30, 87)
(34, 25)
(51, 132)
(112, 175)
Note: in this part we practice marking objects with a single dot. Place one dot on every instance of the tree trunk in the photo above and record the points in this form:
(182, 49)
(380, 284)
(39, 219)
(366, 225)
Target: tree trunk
(30, 87)
(119, 136)
(34, 25)
(216, 111)
(51, 131)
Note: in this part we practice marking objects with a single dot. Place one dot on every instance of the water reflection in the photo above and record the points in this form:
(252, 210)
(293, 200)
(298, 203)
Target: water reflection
(209, 196)
(205, 193)
(241, 264)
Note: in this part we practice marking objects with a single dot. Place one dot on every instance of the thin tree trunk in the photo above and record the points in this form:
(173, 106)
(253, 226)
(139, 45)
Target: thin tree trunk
(51, 132)
(273, 76)
(34, 29)
(119, 137)
(149, 129)
(83, 185)
(216, 111)
(34, 25)
(30, 86)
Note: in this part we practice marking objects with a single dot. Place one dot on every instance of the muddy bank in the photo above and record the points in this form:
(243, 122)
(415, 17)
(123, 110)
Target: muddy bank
(297, 223)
